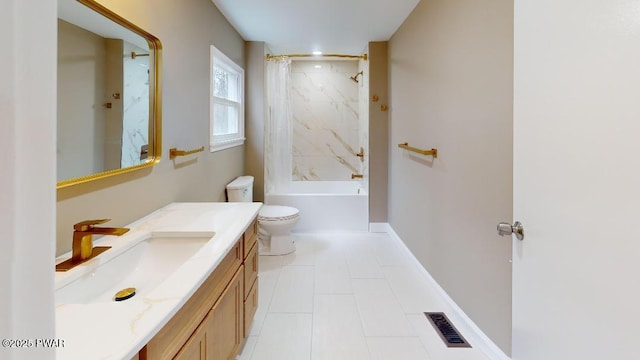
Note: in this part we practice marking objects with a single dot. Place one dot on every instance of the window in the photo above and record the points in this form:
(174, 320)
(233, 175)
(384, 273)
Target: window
(227, 102)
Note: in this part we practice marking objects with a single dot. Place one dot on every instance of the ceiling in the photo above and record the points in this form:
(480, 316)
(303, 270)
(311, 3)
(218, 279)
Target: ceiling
(84, 17)
(304, 26)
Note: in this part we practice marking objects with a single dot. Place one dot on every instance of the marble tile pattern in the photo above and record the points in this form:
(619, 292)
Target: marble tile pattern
(135, 127)
(326, 120)
(347, 296)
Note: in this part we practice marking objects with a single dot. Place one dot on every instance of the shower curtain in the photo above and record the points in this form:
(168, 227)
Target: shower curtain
(278, 126)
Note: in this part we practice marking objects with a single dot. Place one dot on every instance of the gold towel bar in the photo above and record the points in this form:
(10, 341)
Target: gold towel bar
(173, 152)
(432, 152)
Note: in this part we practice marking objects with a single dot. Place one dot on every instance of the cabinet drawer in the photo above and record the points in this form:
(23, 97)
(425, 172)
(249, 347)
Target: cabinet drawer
(250, 237)
(166, 343)
(250, 307)
(250, 270)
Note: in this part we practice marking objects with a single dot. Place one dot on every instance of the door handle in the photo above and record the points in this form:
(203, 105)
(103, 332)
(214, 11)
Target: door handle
(505, 229)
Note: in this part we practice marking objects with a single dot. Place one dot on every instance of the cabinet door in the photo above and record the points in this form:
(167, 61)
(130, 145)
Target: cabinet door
(177, 332)
(224, 327)
(250, 308)
(196, 346)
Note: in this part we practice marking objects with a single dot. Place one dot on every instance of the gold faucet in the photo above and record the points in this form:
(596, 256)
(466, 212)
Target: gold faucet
(356, 176)
(83, 248)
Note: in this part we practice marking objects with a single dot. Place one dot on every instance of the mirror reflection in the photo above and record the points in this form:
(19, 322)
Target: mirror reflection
(106, 93)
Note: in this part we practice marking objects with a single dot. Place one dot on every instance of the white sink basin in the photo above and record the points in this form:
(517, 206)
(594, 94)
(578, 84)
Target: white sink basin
(144, 266)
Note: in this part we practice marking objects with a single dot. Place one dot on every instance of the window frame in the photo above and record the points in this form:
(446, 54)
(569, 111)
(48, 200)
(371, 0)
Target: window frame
(225, 141)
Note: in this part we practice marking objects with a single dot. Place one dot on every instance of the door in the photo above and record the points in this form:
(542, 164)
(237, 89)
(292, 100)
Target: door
(576, 274)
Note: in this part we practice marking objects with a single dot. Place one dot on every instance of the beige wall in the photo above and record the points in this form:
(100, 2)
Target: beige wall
(186, 30)
(378, 132)
(450, 70)
(114, 83)
(255, 115)
(82, 58)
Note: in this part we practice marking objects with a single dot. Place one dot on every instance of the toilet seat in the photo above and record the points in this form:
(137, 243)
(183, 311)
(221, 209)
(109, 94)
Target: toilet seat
(277, 213)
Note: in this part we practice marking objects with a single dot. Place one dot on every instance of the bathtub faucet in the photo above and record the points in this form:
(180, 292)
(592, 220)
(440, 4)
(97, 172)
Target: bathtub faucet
(356, 176)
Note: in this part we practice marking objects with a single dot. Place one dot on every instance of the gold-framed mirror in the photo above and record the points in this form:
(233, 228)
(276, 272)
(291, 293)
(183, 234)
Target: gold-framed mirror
(109, 94)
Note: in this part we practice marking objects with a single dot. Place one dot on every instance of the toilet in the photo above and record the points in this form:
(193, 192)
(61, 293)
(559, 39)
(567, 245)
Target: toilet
(274, 222)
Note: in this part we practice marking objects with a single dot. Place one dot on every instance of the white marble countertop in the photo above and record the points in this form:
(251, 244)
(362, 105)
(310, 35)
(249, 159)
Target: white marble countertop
(118, 330)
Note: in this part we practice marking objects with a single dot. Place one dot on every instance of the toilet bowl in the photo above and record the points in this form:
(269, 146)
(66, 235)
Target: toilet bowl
(274, 222)
(274, 229)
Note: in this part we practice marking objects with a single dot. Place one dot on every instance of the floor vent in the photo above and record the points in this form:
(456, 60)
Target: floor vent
(446, 330)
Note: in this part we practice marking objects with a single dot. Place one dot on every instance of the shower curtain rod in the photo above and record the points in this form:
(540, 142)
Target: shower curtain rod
(272, 57)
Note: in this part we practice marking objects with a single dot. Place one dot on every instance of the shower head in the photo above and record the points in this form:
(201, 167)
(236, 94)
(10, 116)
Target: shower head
(355, 77)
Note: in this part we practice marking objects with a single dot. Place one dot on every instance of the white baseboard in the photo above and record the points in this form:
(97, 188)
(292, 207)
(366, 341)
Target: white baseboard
(379, 227)
(470, 330)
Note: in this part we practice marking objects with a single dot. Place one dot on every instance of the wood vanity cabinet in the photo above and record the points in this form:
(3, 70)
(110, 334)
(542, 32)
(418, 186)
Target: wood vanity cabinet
(219, 336)
(214, 322)
(250, 275)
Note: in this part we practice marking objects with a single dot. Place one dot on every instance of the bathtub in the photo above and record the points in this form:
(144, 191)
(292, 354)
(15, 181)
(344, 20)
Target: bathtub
(325, 205)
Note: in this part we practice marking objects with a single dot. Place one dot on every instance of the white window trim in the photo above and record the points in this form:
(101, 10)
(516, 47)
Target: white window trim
(222, 142)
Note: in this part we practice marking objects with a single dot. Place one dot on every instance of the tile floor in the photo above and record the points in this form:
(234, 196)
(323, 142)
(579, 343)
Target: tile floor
(346, 296)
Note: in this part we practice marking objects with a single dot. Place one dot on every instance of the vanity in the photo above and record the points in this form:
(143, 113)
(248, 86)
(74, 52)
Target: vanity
(195, 269)
(179, 283)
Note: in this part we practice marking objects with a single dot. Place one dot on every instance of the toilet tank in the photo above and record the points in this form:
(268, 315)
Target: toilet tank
(240, 189)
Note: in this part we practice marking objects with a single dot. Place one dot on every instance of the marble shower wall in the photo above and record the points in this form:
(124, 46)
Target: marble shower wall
(135, 129)
(326, 121)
